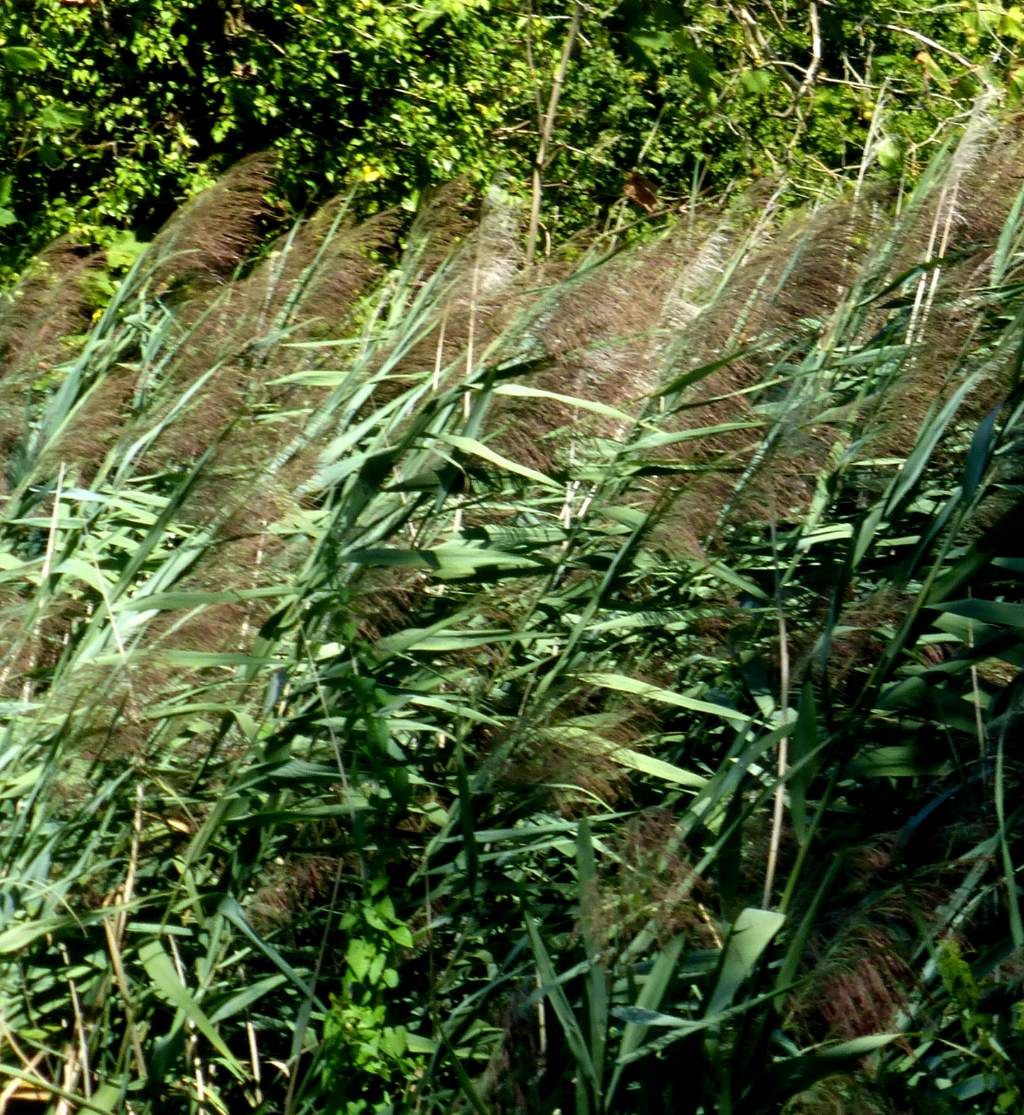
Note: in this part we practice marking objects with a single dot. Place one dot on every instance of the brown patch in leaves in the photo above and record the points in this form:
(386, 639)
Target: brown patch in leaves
(293, 888)
(863, 986)
(656, 884)
(601, 340)
(95, 425)
(47, 305)
(641, 191)
(772, 300)
(568, 756)
(384, 601)
(210, 236)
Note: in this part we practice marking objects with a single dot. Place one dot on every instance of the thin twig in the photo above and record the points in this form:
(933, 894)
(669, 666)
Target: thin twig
(51, 539)
(131, 1036)
(812, 69)
(957, 57)
(77, 1062)
(114, 929)
(873, 131)
(783, 754)
(541, 160)
(254, 1057)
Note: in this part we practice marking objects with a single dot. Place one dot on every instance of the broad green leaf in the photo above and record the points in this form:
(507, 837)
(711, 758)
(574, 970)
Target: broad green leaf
(912, 470)
(551, 987)
(656, 768)
(889, 154)
(651, 994)
(624, 684)
(986, 611)
(695, 375)
(475, 448)
(598, 1000)
(22, 58)
(676, 437)
(450, 559)
(520, 391)
(58, 117)
(169, 986)
(793, 1075)
(1010, 871)
(751, 934)
(897, 761)
(171, 601)
(803, 744)
(756, 81)
(22, 934)
(86, 572)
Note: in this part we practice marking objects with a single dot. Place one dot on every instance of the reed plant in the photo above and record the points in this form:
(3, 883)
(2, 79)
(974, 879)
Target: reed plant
(434, 682)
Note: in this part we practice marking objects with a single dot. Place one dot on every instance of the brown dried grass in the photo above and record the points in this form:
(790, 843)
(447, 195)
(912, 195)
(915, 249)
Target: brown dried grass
(962, 219)
(96, 424)
(49, 304)
(655, 883)
(210, 236)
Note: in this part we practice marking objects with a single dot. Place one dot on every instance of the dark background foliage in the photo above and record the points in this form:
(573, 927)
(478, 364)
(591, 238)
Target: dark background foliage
(112, 113)
(440, 675)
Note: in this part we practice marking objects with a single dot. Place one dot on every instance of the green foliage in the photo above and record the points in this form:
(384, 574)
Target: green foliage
(957, 977)
(358, 1042)
(111, 114)
(987, 1039)
(461, 685)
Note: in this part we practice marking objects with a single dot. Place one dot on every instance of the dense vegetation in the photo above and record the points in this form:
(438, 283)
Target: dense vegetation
(111, 113)
(465, 649)
(466, 685)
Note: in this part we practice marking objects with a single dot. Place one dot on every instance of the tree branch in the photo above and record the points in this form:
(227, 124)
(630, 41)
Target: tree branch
(541, 159)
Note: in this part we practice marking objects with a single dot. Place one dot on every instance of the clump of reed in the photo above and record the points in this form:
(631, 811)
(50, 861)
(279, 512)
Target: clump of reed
(504, 679)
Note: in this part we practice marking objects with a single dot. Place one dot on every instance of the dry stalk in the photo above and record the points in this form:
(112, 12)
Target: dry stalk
(117, 963)
(541, 161)
(193, 1041)
(51, 544)
(783, 753)
(19, 1089)
(76, 1064)
(114, 928)
(254, 1057)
